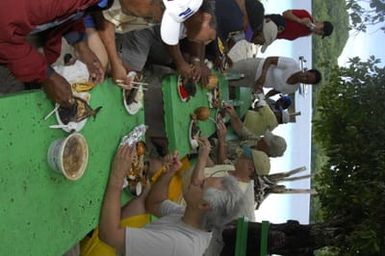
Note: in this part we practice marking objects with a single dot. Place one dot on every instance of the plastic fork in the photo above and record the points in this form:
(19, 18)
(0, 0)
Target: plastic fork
(69, 126)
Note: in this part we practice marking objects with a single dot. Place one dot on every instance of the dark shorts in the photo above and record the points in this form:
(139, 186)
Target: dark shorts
(229, 17)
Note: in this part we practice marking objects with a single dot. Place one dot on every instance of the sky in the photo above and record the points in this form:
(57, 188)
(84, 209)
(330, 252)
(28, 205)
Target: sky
(279, 208)
(364, 45)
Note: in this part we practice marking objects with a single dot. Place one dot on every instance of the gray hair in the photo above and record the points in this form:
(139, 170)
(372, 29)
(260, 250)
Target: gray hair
(226, 203)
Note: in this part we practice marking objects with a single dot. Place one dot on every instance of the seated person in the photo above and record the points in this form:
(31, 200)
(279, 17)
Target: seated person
(283, 74)
(239, 19)
(264, 118)
(300, 23)
(272, 145)
(178, 19)
(248, 164)
(46, 23)
(283, 102)
(211, 203)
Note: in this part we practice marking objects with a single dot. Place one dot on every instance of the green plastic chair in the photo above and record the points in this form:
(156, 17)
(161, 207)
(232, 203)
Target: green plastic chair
(241, 237)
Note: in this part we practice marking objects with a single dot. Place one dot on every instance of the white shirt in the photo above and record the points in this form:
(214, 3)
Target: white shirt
(276, 76)
(167, 236)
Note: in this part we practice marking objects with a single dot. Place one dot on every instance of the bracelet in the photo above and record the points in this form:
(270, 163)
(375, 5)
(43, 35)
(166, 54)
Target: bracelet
(196, 59)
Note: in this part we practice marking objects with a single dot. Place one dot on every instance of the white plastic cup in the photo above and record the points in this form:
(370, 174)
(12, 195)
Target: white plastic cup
(56, 156)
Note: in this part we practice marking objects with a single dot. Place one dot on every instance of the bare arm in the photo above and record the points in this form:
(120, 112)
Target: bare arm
(182, 66)
(201, 72)
(221, 132)
(159, 190)
(289, 15)
(262, 78)
(106, 31)
(110, 231)
(198, 172)
(236, 122)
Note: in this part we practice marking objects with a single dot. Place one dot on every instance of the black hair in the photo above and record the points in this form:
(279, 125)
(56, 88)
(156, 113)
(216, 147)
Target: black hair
(317, 74)
(328, 28)
(277, 19)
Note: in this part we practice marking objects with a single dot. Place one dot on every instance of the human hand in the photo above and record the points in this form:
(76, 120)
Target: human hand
(221, 130)
(58, 90)
(88, 57)
(172, 162)
(185, 70)
(120, 77)
(230, 110)
(204, 145)
(306, 22)
(122, 162)
(205, 74)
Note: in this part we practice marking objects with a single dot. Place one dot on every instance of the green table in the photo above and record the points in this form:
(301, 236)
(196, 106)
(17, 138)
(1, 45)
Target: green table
(177, 113)
(42, 213)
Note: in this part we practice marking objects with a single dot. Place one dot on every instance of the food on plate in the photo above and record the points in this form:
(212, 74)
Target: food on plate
(83, 87)
(79, 111)
(201, 113)
(213, 82)
(136, 176)
(73, 156)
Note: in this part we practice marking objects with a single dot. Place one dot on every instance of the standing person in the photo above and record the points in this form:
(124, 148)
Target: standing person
(178, 19)
(211, 203)
(282, 74)
(46, 21)
(300, 23)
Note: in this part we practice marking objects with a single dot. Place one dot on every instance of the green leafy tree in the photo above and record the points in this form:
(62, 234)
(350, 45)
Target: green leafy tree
(364, 13)
(350, 130)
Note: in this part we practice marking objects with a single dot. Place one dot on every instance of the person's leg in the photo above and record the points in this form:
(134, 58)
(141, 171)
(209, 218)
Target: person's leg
(134, 47)
(249, 68)
(9, 84)
(97, 46)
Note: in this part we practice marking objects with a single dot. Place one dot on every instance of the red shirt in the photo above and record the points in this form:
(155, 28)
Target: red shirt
(19, 18)
(293, 29)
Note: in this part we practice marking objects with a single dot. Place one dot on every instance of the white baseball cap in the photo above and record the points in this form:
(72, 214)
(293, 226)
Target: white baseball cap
(176, 12)
(270, 31)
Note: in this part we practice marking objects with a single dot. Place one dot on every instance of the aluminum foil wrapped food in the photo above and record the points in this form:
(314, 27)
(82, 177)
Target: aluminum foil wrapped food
(135, 135)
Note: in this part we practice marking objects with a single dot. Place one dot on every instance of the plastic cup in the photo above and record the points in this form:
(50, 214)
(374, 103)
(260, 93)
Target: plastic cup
(69, 156)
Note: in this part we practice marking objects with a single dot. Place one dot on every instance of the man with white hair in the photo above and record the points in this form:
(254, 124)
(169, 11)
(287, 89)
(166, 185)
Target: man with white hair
(211, 203)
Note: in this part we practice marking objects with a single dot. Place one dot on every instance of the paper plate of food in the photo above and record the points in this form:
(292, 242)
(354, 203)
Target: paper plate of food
(186, 90)
(133, 99)
(137, 175)
(213, 97)
(75, 118)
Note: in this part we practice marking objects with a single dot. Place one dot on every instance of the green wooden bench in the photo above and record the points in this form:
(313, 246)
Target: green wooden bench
(241, 238)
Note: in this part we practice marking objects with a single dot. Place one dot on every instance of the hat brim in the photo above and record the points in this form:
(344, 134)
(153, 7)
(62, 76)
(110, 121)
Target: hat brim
(169, 29)
(270, 31)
